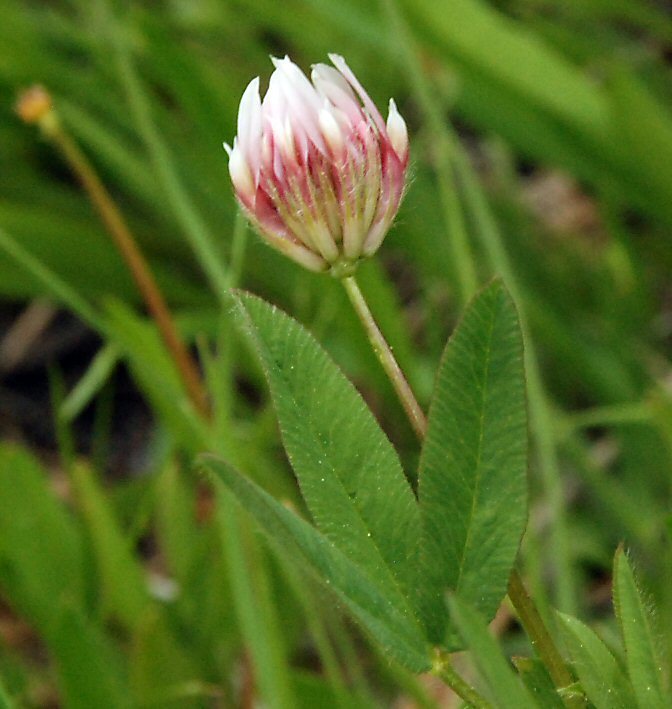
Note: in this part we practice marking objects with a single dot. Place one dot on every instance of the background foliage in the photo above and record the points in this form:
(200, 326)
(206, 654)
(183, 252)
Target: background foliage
(120, 585)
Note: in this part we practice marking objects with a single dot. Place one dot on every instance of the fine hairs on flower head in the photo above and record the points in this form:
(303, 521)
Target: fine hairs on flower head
(315, 167)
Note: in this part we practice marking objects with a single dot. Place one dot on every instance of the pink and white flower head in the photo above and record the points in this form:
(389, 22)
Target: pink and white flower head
(316, 168)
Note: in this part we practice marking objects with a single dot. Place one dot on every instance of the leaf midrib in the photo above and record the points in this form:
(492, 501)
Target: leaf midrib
(467, 541)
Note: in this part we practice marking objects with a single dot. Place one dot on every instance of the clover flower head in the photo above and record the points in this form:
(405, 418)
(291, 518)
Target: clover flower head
(315, 167)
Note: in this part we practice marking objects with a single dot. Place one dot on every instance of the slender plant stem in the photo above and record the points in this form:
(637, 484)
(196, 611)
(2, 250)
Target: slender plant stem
(415, 414)
(444, 669)
(132, 255)
(537, 631)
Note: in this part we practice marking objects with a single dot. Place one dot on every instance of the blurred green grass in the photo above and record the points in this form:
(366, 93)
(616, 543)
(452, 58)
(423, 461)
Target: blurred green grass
(542, 93)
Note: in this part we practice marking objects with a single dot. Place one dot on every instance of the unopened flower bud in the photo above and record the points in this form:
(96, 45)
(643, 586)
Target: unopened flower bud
(316, 168)
(33, 104)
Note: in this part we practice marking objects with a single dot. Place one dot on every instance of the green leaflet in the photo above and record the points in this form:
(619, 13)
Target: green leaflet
(601, 677)
(348, 471)
(472, 483)
(644, 665)
(380, 609)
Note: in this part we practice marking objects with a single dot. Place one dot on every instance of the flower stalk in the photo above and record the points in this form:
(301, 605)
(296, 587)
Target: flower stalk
(35, 106)
(541, 639)
(415, 414)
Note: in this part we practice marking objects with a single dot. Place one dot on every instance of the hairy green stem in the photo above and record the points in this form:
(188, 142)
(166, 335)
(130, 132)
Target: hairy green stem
(415, 414)
(536, 629)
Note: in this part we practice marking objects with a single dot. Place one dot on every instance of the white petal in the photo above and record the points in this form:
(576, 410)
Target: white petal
(303, 101)
(375, 238)
(297, 83)
(332, 85)
(274, 104)
(266, 150)
(326, 76)
(277, 118)
(284, 135)
(347, 72)
(331, 131)
(249, 125)
(240, 172)
(397, 132)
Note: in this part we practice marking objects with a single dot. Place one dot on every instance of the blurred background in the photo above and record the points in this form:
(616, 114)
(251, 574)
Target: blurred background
(541, 135)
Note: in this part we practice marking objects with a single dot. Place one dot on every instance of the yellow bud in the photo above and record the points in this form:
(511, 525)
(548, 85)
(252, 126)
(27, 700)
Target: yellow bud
(34, 104)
